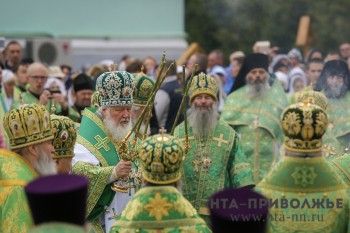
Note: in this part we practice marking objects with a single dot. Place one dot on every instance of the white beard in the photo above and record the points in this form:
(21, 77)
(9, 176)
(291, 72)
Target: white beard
(117, 131)
(335, 92)
(203, 123)
(46, 165)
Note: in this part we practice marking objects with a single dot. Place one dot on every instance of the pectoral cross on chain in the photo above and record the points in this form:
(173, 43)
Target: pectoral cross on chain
(162, 131)
(196, 164)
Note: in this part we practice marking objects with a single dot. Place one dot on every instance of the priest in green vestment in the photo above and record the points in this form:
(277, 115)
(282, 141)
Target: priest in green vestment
(58, 203)
(253, 110)
(215, 160)
(159, 205)
(306, 193)
(334, 82)
(29, 131)
(37, 77)
(112, 180)
(82, 92)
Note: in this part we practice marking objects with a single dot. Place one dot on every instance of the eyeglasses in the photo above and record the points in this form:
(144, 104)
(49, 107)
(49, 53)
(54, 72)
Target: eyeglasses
(39, 77)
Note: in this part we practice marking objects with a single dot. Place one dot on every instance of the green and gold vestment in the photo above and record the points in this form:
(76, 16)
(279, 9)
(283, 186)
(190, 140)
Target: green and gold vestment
(314, 196)
(94, 136)
(256, 121)
(15, 173)
(159, 209)
(337, 136)
(212, 165)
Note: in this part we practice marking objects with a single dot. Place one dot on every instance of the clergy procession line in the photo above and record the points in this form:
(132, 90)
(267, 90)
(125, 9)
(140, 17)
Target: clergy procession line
(175, 153)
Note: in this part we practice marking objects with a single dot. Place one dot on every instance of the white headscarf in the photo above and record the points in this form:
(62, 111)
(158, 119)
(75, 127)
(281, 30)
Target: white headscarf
(283, 78)
(7, 75)
(52, 80)
(293, 78)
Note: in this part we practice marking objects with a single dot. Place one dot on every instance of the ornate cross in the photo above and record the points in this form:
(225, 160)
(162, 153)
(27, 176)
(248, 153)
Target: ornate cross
(304, 175)
(102, 142)
(162, 131)
(115, 216)
(220, 140)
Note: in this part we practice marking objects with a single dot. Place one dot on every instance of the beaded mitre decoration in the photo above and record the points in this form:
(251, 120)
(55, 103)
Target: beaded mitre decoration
(143, 89)
(203, 84)
(312, 97)
(27, 125)
(65, 136)
(115, 88)
(303, 125)
(161, 159)
(95, 99)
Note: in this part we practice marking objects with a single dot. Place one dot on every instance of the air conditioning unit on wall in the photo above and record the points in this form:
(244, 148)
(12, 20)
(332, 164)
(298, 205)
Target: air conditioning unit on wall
(50, 51)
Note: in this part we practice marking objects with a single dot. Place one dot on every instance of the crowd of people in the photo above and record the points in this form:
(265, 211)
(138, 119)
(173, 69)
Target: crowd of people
(260, 145)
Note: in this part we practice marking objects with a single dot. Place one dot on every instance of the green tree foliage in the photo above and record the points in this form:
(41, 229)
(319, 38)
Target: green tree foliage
(232, 25)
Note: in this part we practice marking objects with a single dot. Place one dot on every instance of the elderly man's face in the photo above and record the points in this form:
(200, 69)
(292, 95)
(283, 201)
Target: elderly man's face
(335, 82)
(121, 115)
(45, 164)
(204, 102)
(257, 75)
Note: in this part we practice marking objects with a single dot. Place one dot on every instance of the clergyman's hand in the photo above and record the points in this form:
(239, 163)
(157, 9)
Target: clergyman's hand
(122, 169)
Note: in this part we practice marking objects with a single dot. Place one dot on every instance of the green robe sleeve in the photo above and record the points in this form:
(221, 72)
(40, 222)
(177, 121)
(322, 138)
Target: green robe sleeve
(100, 193)
(240, 172)
(15, 215)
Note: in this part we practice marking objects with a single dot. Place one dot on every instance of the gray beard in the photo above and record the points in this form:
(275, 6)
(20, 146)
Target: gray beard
(46, 165)
(335, 92)
(117, 132)
(256, 90)
(203, 123)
